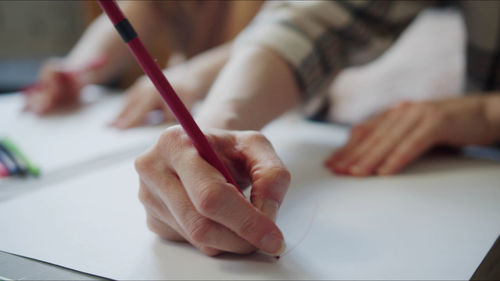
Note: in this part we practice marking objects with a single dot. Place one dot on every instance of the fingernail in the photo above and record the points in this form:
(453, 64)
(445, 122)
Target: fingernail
(272, 244)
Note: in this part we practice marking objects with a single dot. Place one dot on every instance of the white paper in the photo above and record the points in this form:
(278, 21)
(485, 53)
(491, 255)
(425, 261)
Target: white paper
(69, 140)
(435, 221)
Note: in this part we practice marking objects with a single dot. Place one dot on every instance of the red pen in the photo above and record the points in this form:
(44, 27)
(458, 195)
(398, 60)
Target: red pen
(168, 94)
(4, 172)
(92, 65)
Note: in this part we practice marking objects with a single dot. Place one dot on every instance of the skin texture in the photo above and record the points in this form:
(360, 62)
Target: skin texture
(58, 88)
(255, 86)
(100, 39)
(387, 143)
(190, 79)
(167, 28)
(186, 199)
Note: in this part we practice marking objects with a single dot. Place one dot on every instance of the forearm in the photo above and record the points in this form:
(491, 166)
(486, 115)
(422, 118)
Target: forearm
(101, 39)
(492, 113)
(206, 66)
(253, 88)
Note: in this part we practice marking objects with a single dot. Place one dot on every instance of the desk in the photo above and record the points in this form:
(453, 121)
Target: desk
(16, 267)
(358, 248)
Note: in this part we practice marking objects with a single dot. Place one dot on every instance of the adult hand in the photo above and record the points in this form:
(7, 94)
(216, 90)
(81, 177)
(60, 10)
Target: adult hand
(54, 88)
(143, 98)
(390, 141)
(187, 199)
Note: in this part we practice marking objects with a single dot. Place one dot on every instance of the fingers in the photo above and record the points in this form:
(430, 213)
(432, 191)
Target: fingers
(142, 99)
(54, 88)
(211, 212)
(269, 176)
(133, 113)
(357, 153)
(199, 230)
(358, 135)
(410, 148)
(389, 142)
(391, 135)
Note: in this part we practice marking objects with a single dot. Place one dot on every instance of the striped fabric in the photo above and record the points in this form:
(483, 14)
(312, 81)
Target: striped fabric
(319, 38)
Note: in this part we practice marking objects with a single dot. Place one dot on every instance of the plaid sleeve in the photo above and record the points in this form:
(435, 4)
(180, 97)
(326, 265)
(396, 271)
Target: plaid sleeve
(319, 38)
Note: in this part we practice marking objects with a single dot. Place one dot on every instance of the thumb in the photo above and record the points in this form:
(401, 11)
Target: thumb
(269, 176)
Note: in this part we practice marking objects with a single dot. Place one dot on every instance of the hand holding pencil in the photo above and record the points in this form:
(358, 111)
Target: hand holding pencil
(186, 199)
(57, 85)
(193, 193)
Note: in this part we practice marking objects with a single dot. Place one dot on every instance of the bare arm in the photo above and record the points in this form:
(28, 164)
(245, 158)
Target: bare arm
(101, 38)
(255, 87)
(191, 80)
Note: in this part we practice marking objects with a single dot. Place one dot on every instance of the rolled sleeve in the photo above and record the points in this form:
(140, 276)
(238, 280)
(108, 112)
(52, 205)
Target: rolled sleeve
(319, 38)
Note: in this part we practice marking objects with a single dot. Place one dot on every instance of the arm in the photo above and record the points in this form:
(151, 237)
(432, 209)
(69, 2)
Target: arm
(190, 79)
(290, 53)
(100, 39)
(255, 87)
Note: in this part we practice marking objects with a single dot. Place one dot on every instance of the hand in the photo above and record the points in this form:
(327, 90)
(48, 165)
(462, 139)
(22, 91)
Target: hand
(143, 98)
(389, 142)
(186, 199)
(54, 88)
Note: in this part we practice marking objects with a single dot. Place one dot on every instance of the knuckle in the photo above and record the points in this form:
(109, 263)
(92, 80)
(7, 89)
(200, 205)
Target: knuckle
(169, 136)
(198, 229)
(171, 141)
(279, 175)
(273, 182)
(256, 137)
(208, 202)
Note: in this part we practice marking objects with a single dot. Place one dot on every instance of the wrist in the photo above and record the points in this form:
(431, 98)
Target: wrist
(226, 117)
(467, 122)
(491, 105)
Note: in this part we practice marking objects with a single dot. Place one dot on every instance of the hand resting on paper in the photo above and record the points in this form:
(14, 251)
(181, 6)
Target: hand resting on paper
(55, 87)
(142, 97)
(387, 143)
(186, 199)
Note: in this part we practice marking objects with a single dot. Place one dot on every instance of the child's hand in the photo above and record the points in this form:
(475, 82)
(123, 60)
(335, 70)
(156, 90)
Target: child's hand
(55, 87)
(392, 140)
(186, 199)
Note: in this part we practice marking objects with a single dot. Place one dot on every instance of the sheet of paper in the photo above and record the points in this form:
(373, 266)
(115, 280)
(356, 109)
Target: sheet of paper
(435, 221)
(72, 139)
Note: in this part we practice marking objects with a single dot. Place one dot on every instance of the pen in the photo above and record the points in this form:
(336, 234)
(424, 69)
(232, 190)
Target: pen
(4, 172)
(19, 157)
(8, 162)
(168, 94)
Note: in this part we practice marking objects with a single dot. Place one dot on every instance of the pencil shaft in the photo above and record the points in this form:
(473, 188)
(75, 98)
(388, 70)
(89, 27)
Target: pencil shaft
(168, 94)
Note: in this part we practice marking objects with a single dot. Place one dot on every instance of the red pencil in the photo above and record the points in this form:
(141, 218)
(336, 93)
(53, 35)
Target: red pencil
(168, 94)
(4, 172)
